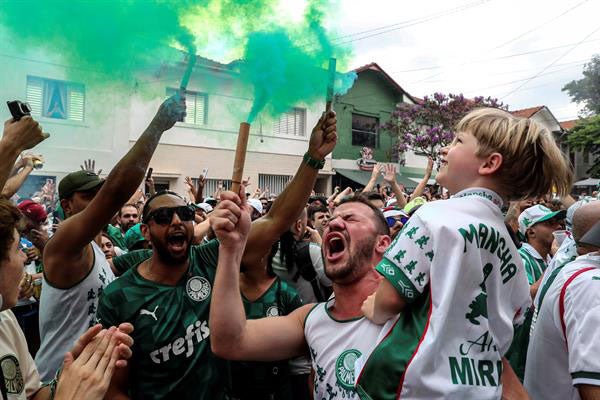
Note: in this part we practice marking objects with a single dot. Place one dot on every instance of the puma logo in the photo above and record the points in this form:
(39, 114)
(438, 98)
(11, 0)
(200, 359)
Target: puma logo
(152, 314)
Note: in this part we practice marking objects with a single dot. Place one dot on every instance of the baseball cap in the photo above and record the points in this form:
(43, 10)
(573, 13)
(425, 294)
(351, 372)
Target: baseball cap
(256, 204)
(133, 236)
(204, 207)
(78, 181)
(32, 210)
(536, 214)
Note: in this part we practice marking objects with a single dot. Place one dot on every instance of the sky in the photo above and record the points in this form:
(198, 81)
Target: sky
(476, 47)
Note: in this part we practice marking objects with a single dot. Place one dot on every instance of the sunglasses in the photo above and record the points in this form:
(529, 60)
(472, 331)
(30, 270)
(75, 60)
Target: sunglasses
(164, 215)
(391, 221)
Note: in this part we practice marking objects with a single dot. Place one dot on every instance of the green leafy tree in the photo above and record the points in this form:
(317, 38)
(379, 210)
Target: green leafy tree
(586, 90)
(586, 136)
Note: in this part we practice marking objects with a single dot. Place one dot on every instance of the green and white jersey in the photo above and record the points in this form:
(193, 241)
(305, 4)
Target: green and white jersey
(171, 352)
(562, 356)
(335, 346)
(461, 275)
(265, 380)
(534, 263)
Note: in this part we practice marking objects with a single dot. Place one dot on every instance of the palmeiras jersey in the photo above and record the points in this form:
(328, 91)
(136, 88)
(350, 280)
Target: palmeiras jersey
(171, 353)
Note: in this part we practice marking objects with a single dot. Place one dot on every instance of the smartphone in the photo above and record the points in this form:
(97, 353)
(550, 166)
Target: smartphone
(205, 172)
(149, 174)
(18, 109)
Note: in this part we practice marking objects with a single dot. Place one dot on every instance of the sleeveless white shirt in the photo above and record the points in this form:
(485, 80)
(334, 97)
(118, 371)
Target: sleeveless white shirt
(65, 314)
(335, 345)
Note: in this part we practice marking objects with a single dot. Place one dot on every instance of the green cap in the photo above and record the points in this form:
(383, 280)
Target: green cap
(133, 236)
(78, 181)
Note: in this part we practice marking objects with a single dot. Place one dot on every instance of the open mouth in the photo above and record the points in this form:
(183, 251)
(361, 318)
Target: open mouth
(335, 244)
(177, 241)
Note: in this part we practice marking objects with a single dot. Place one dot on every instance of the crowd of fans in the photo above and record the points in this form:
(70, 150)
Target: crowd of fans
(481, 288)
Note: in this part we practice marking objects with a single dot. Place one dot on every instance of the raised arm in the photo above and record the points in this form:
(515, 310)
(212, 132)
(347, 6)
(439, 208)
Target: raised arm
(266, 230)
(421, 186)
(79, 230)
(232, 336)
(374, 175)
(16, 181)
(17, 137)
(390, 177)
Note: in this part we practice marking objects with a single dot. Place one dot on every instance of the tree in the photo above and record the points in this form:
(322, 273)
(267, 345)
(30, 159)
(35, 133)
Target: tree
(586, 136)
(587, 90)
(429, 125)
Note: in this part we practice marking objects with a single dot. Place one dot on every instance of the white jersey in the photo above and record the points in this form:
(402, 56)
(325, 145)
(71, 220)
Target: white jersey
(65, 314)
(21, 379)
(334, 347)
(463, 279)
(555, 365)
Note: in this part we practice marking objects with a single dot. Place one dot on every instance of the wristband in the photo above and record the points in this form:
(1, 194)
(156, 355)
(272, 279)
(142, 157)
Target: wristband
(311, 162)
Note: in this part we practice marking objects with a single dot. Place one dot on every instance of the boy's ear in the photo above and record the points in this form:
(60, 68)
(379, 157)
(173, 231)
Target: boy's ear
(491, 164)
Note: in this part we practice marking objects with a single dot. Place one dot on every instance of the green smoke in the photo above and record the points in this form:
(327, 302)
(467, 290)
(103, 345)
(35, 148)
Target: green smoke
(114, 38)
(112, 41)
(287, 66)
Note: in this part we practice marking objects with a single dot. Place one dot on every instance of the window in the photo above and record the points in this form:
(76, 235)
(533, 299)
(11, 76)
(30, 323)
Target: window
(365, 131)
(210, 186)
(275, 183)
(56, 99)
(291, 123)
(196, 106)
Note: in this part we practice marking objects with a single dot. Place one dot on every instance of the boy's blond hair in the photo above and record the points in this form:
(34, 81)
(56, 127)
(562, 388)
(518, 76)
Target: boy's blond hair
(532, 163)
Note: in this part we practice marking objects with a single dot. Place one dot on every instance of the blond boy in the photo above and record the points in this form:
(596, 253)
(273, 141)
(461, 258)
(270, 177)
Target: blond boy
(453, 272)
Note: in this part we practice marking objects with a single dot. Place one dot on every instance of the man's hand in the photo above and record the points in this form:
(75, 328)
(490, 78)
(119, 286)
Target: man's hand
(38, 238)
(313, 235)
(32, 254)
(377, 169)
(389, 173)
(429, 165)
(24, 133)
(189, 183)
(88, 368)
(89, 165)
(26, 287)
(323, 137)
(230, 220)
(170, 111)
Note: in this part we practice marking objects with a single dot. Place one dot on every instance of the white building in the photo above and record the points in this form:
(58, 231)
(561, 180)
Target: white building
(92, 119)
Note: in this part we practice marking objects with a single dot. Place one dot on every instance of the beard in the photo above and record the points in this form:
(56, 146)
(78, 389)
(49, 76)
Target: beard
(356, 260)
(165, 255)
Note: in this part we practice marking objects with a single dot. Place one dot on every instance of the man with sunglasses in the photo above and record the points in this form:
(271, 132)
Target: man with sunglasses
(167, 296)
(75, 269)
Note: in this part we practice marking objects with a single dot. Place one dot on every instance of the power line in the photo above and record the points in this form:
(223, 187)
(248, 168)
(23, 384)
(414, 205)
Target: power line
(551, 64)
(414, 21)
(510, 56)
(425, 19)
(541, 25)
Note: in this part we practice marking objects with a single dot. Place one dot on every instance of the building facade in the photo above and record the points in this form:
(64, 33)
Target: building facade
(361, 141)
(92, 119)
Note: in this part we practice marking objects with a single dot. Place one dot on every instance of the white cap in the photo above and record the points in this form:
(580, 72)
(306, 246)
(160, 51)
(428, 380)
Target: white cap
(535, 214)
(204, 207)
(256, 204)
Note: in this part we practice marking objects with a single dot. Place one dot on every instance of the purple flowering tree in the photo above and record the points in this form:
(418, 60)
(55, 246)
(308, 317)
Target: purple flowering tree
(429, 125)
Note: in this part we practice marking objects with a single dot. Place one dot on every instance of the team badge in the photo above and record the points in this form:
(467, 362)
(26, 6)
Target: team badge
(198, 288)
(273, 311)
(13, 378)
(344, 369)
